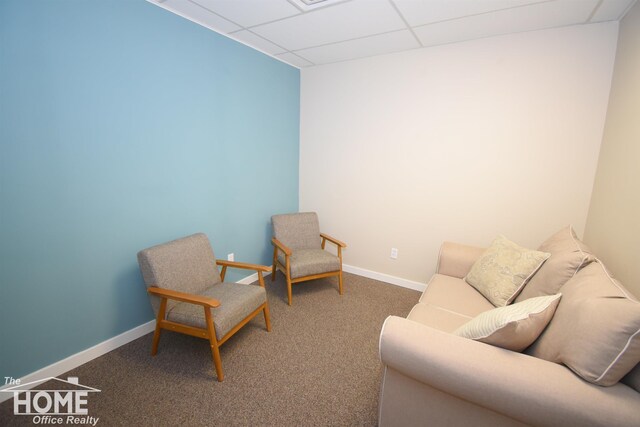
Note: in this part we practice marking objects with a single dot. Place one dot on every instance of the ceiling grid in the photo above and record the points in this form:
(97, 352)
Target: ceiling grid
(304, 35)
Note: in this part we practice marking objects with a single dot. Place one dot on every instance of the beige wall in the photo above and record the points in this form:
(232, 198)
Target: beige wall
(613, 224)
(457, 142)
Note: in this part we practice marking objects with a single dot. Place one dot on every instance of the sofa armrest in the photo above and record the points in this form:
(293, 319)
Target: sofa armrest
(456, 259)
(522, 387)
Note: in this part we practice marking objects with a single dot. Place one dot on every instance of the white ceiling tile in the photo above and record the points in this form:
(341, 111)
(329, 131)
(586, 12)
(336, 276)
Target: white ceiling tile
(257, 42)
(294, 60)
(198, 14)
(300, 4)
(251, 12)
(425, 12)
(359, 48)
(611, 10)
(526, 18)
(357, 18)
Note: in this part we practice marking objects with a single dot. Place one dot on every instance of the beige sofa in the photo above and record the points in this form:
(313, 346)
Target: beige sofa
(432, 377)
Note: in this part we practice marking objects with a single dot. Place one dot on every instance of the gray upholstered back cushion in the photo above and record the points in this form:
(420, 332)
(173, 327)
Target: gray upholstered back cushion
(297, 231)
(185, 265)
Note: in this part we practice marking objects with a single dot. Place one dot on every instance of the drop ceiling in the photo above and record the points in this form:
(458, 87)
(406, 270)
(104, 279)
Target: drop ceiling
(304, 35)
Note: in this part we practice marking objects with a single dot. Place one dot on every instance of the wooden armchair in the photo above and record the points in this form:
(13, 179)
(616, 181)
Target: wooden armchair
(298, 250)
(189, 295)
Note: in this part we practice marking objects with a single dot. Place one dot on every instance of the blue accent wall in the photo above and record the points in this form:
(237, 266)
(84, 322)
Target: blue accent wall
(123, 126)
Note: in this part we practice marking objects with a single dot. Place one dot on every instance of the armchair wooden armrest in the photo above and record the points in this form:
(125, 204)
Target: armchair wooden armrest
(244, 265)
(326, 237)
(257, 267)
(278, 244)
(184, 297)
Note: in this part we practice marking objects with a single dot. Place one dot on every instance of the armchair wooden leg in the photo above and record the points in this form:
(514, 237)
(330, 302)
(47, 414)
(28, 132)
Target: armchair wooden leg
(289, 287)
(217, 362)
(273, 268)
(213, 342)
(340, 275)
(158, 331)
(267, 316)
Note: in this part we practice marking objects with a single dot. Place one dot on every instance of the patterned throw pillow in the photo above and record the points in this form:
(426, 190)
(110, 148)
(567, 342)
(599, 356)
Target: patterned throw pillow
(503, 270)
(514, 327)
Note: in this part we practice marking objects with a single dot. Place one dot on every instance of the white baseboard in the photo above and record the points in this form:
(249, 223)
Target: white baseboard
(387, 278)
(75, 360)
(398, 281)
(252, 278)
(80, 358)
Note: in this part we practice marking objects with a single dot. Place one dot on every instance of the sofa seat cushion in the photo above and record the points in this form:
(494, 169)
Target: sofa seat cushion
(437, 317)
(568, 256)
(595, 330)
(237, 302)
(306, 262)
(455, 295)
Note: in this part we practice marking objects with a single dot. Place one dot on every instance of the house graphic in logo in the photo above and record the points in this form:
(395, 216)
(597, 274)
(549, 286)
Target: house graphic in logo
(66, 398)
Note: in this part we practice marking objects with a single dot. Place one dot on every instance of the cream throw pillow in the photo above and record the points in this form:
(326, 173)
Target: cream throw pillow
(514, 327)
(503, 270)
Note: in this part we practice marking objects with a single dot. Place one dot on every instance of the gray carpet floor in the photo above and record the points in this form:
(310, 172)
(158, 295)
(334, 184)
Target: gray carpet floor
(318, 366)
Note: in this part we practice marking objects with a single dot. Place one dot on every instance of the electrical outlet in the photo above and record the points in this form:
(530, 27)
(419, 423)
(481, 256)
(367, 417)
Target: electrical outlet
(230, 257)
(394, 253)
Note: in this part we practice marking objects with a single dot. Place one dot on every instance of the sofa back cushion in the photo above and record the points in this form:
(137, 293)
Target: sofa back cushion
(568, 255)
(595, 330)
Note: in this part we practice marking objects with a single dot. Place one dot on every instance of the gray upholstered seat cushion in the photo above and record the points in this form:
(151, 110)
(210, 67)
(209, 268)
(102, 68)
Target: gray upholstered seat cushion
(237, 301)
(298, 230)
(305, 262)
(185, 265)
